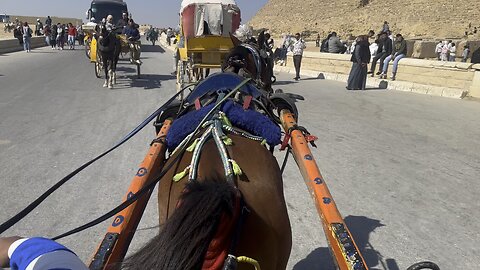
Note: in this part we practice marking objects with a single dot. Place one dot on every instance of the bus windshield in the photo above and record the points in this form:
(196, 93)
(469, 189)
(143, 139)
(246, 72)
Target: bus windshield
(102, 10)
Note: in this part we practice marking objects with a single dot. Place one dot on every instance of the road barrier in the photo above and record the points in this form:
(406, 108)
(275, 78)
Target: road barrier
(447, 79)
(12, 45)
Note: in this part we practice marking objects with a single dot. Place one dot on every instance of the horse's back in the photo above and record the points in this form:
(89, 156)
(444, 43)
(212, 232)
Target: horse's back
(266, 234)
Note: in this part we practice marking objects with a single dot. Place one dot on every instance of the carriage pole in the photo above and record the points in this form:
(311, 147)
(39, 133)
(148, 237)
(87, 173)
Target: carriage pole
(341, 243)
(114, 246)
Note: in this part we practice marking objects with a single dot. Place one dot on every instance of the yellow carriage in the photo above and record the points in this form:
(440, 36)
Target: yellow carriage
(204, 40)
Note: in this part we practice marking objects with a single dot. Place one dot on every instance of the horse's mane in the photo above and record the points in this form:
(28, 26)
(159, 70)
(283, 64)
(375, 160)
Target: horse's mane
(186, 236)
(237, 53)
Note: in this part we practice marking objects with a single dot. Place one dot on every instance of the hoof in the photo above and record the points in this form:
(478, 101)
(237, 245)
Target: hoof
(105, 85)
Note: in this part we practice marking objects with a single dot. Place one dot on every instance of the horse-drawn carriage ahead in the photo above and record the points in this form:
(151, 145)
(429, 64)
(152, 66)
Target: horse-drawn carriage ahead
(220, 189)
(205, 26)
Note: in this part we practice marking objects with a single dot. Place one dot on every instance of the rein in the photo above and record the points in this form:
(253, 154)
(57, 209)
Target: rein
(23, 213)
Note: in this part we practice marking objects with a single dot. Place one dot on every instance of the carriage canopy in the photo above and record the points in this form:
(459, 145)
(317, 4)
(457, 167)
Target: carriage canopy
(209, 17)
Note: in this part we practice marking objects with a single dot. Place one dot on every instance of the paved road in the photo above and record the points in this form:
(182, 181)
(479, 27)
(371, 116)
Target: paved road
(403, 168)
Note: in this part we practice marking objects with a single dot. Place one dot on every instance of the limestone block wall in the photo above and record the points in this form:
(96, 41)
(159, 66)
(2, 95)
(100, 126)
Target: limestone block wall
(449, 79)
(12, 45)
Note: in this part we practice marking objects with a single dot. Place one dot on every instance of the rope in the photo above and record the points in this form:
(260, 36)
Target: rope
(244, 259)
(151, 185)
(23, 213)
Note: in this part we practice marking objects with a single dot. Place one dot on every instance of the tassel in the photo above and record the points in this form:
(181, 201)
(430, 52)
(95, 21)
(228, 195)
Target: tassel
(264, 142)
(193, 145)
(227, 141)
(225, 120)
(181, 175)
(236, 168)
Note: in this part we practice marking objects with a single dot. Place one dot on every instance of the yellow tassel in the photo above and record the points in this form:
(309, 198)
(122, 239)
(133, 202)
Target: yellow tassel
(264, 142)
(193, 145)
(227, 141)
(181, 175)
(236, 168)
(225, 119)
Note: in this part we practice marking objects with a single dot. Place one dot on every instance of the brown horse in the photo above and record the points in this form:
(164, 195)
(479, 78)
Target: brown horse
(193, 213)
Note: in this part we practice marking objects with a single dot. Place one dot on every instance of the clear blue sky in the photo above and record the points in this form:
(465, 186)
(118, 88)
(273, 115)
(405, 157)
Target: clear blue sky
(156, 12)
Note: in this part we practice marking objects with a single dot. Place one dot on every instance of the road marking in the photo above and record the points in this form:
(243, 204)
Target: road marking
(3, 142)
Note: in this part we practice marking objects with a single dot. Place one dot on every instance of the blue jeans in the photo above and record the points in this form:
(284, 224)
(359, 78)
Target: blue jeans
(26, 43)
(395, 63)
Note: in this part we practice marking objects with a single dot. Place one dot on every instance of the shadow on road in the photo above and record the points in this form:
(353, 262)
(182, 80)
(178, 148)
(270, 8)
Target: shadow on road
(360, 228)
(284, 82)
(148, 81)
(151, 48)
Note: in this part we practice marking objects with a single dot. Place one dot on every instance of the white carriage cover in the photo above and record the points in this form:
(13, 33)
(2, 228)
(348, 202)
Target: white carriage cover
(216, 14)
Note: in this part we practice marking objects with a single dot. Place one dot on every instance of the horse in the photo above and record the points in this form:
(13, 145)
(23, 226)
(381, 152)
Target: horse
(221, 212)
(8, 27)
(109, 48)
(256, 54)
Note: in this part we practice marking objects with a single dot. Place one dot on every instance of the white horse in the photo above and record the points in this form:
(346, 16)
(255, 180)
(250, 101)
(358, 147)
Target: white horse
(8, 27)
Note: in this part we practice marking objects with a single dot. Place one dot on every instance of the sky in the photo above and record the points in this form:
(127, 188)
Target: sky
(161, 13)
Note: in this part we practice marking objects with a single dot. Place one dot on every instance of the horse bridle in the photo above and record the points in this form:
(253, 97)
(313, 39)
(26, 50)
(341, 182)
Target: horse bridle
(242, 64)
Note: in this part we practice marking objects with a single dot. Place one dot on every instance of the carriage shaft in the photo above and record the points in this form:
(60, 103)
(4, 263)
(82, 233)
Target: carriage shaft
(341, 243)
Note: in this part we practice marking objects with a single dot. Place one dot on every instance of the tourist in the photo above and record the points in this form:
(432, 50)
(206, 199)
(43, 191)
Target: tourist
(335, 45)
(399, 51)
(324, 44)
(438, 49)
(60, 36)
(357, 78)
(466, 52)
(39, 28)
(133, 38)
(17, 33)
(452, 51)
(48, 21)
(47, 32)
(72, 34)
(317, 41)
(297, 48)
(444, 51)
(384, 50)
(53, 37)
(476, 56)
(385, 27)
(286, 44)
(27, 36)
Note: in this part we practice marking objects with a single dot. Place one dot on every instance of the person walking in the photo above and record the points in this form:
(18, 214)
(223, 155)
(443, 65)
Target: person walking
(72, 34)
(27, 35)
(384, 50)
(297, 48)
(357, 78)
(399, 51)
(317, 41)
(60, 37)
(47, 32)
(53, 37)
(466, 53)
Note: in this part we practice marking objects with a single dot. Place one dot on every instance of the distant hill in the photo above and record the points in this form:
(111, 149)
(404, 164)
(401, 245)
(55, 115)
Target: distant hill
(412, 18)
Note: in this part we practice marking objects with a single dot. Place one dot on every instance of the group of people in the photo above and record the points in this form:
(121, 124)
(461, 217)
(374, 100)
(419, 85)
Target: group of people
(389, 49)
(446, 50)
(56, 35)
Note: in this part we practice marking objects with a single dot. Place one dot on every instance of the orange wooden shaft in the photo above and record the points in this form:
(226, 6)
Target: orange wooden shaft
(326, 207)
(125, 223)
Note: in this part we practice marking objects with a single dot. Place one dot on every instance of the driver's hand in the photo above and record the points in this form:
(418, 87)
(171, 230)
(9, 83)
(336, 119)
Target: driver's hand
(5, 243)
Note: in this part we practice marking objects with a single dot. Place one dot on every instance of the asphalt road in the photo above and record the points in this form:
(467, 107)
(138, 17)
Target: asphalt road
(403, 168)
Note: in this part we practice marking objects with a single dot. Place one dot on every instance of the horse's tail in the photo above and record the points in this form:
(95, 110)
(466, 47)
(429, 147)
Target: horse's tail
(184, 240)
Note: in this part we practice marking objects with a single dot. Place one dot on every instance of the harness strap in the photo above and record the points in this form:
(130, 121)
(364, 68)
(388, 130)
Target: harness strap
(246, 102)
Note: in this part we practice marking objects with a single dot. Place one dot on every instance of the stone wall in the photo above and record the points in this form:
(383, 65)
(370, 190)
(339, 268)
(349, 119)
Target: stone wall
(448, 79)
(12, 45)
